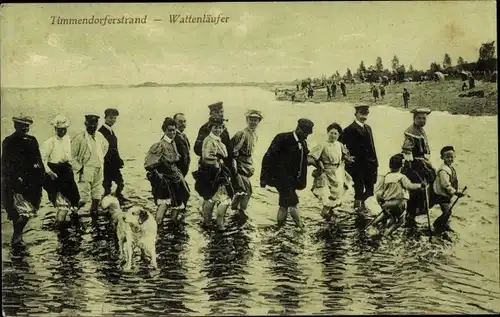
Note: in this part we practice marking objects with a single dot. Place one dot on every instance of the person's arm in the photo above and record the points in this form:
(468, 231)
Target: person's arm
(269, 158)
(408, 145)
(198, 144)
(407, 184)
(75, 150)
(237, 142)
(45, 151)
(313, 158)
(379, 193)
(444, 181)
(209, 151)
(104, 145)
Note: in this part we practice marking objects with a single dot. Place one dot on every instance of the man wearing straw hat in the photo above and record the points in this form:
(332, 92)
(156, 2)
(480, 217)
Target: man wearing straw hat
(60, 180)
(88, 150)
(243, 143)
(22, 176)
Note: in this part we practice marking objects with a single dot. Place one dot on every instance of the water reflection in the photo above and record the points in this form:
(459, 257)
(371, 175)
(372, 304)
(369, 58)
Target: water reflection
(226, 258)
(333, 252)
(172, 283)
(282, 249)
(15, 286)
(66, 273)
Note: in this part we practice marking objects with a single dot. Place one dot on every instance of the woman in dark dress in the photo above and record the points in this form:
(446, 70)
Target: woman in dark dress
(213, 177)
(22, 176)
(168, 185)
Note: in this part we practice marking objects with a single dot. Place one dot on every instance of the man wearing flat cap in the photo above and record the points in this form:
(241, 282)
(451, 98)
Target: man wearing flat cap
(88, 150)
(243, 143)
(417, 167)
(216, 111)
(60, 180)
(284, 167)
(22, 176)
(358, 138)
(112, 161)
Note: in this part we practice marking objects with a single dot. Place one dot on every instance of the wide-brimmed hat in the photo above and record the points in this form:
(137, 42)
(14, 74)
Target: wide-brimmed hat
(23, 119)
(60, 121)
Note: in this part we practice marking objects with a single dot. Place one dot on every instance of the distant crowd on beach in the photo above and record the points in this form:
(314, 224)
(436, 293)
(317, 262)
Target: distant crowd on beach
(81, 170)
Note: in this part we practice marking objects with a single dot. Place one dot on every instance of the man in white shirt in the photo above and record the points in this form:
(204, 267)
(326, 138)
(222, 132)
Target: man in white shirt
(88, 149)
(60, 181)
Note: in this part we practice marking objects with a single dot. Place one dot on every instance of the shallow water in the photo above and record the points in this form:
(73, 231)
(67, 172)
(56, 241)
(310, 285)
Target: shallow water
(253, 268)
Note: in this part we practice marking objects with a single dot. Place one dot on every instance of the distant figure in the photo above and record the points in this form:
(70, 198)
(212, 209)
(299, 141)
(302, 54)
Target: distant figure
(382, 91)
(343, 88)
(471, 82)
(464, 86)
(328, 92)
(293, 97)
(297, 87)
(284, 167)
(334, 89)
(310, 92)
(406, 97)
(374, 93)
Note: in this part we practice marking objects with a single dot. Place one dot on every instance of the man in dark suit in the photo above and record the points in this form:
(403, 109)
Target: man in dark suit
(358, 138)
(284, 167)
(182, 143)
(23, 173)
(112, 161)
(216, 111)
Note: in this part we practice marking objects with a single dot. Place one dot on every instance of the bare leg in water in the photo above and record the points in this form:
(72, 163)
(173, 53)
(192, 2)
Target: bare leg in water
(294, 212)
(19, 224)
(207, 209)
(160, 213)
(282, 214)
(221, 212)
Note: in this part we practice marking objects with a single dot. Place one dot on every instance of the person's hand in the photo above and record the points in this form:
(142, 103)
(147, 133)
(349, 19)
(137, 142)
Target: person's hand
(20, 181)
(52, 174)
(263, 184)
(460, 194)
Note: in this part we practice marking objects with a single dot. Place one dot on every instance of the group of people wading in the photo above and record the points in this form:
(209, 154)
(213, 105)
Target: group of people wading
(80, 170)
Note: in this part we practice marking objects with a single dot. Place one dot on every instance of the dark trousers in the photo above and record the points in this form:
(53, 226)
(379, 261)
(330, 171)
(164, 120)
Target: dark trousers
(364, 180)
(112, 174)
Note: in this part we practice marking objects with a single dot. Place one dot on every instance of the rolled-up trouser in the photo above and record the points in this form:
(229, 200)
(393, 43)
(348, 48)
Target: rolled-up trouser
(90, 183)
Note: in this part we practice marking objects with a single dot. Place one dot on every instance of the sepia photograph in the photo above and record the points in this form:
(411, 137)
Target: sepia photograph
(249, 158)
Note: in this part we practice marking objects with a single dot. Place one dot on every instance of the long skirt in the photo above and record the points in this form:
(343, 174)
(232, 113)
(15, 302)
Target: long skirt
(329, 187)
(210, 180)
(64, 184)
(169, 184)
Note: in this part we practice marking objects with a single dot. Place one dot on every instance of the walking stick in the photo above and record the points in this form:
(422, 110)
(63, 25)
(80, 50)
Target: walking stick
(455, 202)
(428, 214)
(373, 220)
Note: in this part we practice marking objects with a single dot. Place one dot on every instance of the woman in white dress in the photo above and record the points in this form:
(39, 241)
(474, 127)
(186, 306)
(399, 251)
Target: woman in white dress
(330, 178)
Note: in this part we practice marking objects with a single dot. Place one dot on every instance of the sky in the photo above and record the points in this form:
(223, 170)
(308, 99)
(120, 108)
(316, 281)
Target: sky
(260, 41)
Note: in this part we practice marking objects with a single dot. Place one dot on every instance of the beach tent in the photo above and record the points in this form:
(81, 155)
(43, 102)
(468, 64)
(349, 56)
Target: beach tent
(493, 77)
(438, 76)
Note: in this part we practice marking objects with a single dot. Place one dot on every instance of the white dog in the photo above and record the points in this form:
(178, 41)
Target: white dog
(135, 226)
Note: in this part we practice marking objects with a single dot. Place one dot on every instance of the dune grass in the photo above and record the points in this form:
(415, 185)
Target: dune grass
(440, 96)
